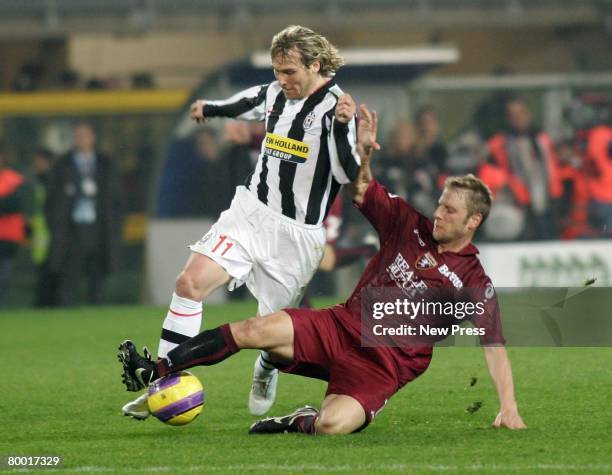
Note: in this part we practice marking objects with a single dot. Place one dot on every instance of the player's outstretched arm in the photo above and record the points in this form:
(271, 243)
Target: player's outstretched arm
(366, 144)
(501, 373)
(244, 105)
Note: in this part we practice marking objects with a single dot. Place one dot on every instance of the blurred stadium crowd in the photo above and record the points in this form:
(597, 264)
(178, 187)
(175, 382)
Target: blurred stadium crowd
(544, 189)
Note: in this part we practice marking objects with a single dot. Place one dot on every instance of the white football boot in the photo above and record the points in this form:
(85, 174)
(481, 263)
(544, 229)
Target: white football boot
(138, 408)
(263, 390)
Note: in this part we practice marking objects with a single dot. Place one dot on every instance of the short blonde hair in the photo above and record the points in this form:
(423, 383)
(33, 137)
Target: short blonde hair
(481, 197)
(311, 46)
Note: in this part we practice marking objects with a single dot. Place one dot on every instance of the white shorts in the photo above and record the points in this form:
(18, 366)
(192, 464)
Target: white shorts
(274, 255)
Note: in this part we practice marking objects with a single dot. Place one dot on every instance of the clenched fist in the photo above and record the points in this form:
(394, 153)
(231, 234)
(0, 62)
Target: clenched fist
(197, 111)
(345, 109)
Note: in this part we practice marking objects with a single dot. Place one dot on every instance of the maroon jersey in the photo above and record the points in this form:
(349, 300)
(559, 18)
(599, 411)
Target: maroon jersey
(409, 259)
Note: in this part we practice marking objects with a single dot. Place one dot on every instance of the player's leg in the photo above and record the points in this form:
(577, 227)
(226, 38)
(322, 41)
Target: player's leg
(199, 278)
(280, 283)
(339, 414)
(273, 333)
(265, 373)
(216, 258)
(359, 382)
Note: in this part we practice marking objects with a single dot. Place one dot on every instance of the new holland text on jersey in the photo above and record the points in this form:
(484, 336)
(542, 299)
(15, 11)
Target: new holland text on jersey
(285, 148)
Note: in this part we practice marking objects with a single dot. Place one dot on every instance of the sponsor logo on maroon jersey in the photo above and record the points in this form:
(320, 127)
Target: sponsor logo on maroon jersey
(450, 275)
(426, 261)
(403, 276)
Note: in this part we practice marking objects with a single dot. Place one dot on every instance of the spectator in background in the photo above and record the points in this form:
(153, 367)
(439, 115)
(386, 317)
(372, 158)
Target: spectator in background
(189, 186)
(215, 183)
(12, 220)
(598, 167)
(573, 222)
(136, 177)
(490, 111)
(178, 181)
(523, 173)
(46, 286)
(69, 79)
(30, 77)
(429, 146)
(466, 153)
(395, 167)
(83, 215)
(427, 179)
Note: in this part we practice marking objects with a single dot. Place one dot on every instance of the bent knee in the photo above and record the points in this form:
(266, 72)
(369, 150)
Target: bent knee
(334, 425)
(249, 333)
(189, 286)
(186, 285)
(200, 277)
(264, 333)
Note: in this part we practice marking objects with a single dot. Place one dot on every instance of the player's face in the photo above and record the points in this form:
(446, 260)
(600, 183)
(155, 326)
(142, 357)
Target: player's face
(297, 80)
(451, 221)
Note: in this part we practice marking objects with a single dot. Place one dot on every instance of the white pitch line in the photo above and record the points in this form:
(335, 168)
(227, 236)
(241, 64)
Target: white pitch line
(399, 467)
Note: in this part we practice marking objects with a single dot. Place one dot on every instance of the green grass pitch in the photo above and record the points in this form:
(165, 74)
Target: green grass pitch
(61, 395)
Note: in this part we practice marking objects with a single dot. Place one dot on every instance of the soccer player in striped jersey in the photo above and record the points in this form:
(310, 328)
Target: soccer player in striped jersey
(271, 238)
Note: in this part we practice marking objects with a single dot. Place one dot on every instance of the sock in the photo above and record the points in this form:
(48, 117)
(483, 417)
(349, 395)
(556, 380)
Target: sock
(208, 348)
(304, 424)
(263, 366)
(182, 322)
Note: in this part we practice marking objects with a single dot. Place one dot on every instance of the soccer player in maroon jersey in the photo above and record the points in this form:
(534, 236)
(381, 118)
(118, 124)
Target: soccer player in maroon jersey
(415, 253)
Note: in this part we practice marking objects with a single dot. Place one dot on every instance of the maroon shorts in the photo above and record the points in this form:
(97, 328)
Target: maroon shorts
(324, 349)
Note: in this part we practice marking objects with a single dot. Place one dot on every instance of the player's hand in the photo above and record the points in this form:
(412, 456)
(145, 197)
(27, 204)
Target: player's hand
(345, 109)
(367, 129)
(197, 111)
(509, 419)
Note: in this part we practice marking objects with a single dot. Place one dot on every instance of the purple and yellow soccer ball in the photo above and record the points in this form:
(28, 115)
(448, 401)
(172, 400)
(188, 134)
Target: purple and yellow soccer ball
(176, 399)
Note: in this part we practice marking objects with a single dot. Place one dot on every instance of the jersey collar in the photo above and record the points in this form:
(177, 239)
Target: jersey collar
(469, 250)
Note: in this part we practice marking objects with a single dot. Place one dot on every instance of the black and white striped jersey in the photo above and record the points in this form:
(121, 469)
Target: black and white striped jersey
(306, 154)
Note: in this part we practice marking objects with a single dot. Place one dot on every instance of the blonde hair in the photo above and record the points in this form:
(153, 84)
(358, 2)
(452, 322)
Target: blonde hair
(481, 197)
(311, 46)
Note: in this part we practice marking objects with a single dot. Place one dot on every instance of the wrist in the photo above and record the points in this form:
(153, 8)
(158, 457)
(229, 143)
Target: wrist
(364, 150)
(340, 124)
(509, 406)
